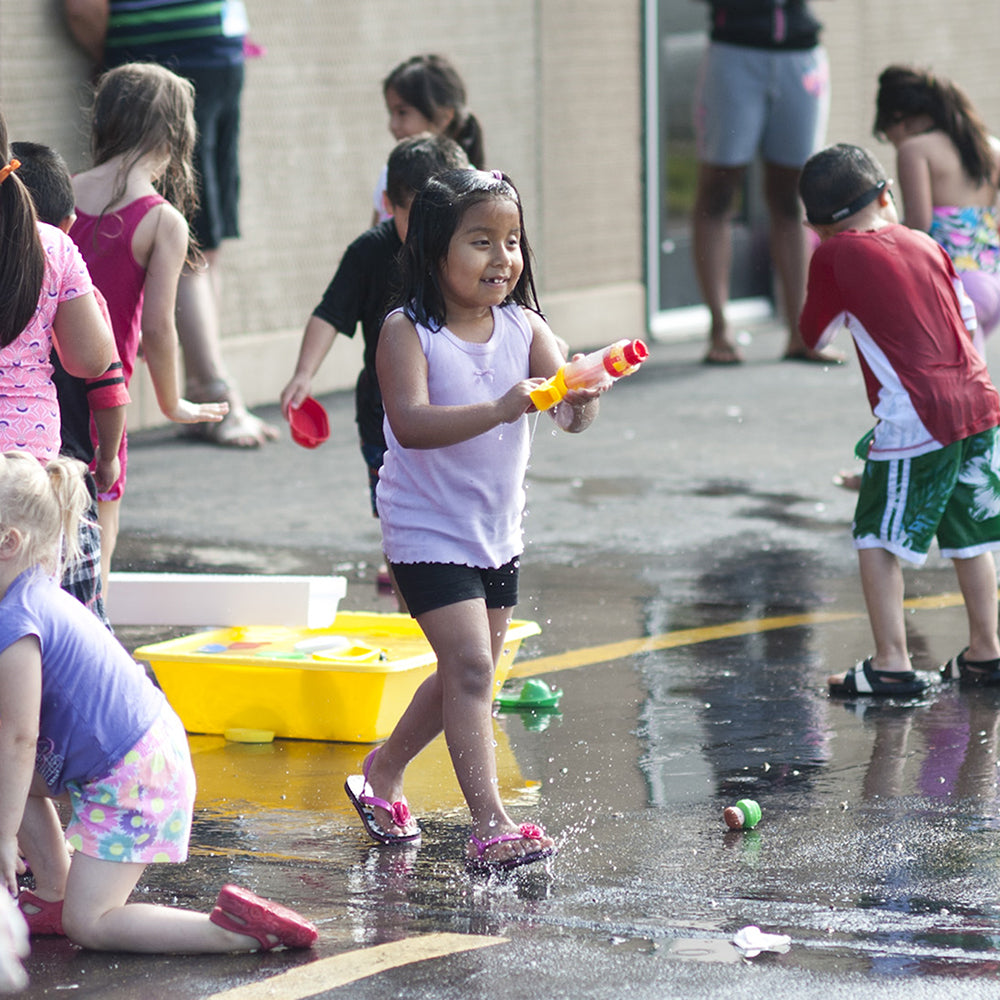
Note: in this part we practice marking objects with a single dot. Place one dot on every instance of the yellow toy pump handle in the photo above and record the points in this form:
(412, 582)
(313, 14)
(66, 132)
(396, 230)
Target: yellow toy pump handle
(550, 391)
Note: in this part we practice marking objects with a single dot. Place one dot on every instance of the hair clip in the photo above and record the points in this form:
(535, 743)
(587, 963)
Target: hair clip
(6, 171)
(497, 175)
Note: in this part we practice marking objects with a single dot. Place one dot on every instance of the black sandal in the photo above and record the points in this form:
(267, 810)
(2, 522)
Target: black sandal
(984, 672)
(863, 678)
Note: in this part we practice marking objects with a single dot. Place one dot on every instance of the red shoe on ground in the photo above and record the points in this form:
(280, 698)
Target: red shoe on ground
(43, 917)
(242, 912)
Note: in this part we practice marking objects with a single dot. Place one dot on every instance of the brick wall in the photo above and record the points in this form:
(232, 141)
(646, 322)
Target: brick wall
(556, 86)
(956, 40)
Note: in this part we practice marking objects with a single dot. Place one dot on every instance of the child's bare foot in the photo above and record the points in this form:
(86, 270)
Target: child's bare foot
(848, 481)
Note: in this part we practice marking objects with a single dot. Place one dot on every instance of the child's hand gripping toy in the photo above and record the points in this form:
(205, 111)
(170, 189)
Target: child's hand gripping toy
(591, 371)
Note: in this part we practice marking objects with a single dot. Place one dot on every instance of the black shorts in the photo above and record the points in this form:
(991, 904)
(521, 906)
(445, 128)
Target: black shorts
(216, 154)
(429, 586)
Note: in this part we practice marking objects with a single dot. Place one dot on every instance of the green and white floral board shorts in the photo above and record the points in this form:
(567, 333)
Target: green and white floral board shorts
(952, 494)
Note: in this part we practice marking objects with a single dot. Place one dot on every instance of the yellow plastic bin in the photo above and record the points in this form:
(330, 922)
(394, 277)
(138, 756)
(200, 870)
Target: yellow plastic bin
(350, 682)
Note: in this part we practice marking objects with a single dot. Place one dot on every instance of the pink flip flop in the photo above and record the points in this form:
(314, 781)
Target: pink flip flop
(243, 912)
(365, 801)
(47, 916)
(526, 831)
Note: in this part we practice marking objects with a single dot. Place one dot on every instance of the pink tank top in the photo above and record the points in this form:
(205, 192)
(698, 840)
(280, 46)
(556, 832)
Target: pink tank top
(106, 245)
(29, 410)
(463, 503)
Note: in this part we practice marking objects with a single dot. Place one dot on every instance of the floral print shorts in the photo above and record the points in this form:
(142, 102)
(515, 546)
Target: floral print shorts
(952, 494)
(141, 811)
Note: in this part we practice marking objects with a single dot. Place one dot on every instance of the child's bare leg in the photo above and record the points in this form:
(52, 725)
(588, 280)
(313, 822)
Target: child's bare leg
(883, 587)
(422, 722)
(107, 518)
(95, 915)
(977, 579)
(467, 639)
(43, 844)
(419, 724)
(882, 584)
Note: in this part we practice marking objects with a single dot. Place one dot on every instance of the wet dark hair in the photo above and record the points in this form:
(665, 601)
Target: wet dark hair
(431, 84)
(22, 260)
(45, 174)
(836, 177)
(415, 159)
(904, 92)
(435, 216)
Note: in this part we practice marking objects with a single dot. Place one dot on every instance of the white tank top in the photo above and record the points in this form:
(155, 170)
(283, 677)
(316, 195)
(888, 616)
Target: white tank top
(462, 503)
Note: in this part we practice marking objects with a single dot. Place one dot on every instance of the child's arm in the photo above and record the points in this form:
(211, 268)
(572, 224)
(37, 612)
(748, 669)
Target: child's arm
(415, 421)
(20, 704)
(110, 424)
(107, 397)
(576, 410)
(317, 340)
(81, 337)
(159, 329)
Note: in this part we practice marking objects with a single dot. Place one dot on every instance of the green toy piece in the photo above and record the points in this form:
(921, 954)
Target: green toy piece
(534, 694)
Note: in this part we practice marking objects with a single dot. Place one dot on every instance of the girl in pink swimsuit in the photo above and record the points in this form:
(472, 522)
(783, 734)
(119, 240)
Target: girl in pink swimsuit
(131, 228)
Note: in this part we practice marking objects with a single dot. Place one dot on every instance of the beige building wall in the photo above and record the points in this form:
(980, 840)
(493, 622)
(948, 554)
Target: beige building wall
(958, 40)
(558, 87)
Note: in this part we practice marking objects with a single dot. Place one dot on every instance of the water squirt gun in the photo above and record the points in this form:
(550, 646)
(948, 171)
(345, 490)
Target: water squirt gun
(591, 371)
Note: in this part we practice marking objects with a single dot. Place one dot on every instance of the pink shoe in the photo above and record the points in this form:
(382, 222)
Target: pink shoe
(240, 911)
(526, 831)
(364, 800)
(44, 917)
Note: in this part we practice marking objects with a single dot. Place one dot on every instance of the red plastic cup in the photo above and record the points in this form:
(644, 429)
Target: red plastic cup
(309, 423)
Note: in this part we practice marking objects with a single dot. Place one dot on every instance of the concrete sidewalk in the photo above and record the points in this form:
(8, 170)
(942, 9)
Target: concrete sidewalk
(774, 426)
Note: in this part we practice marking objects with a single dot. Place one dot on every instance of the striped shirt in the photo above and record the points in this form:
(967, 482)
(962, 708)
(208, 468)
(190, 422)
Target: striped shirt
(178, 34)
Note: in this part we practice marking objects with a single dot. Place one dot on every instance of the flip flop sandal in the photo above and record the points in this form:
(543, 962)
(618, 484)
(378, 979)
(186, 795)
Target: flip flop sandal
(243, 912)
(365, 801)
(863, 678)
(526, 831)
(984, 672)
(45, 917)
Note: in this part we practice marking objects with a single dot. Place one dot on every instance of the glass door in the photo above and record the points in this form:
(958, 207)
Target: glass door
(676, 35)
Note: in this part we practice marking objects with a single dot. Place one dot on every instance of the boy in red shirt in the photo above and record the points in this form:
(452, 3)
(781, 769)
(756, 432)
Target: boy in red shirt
(933, 469)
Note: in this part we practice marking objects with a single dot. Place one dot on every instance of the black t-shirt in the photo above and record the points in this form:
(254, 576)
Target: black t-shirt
(765, 24)
(360, 292)
(74, 413)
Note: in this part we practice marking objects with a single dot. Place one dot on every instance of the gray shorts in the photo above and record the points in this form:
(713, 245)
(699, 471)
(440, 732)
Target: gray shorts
(749, 100)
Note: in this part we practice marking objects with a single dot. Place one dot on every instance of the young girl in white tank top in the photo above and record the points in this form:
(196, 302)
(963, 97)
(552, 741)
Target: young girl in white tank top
(456, 365)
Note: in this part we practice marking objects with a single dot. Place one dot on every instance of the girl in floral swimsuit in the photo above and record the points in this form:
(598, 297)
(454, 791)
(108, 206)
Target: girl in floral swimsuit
(948, 165)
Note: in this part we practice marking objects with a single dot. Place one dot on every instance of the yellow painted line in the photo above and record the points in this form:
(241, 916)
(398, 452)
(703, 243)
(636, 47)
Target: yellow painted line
(210, 851)
(589, 655)
(339, 970)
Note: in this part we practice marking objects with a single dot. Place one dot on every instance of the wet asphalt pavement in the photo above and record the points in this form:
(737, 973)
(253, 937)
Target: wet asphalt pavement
(688, 560)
